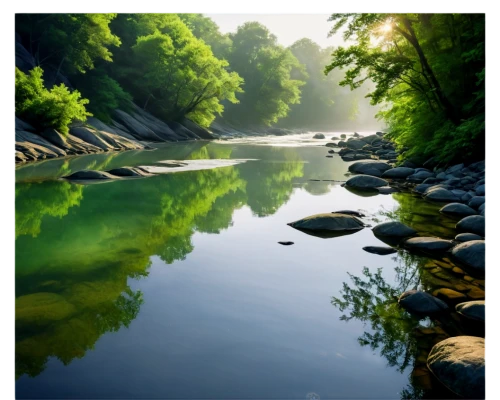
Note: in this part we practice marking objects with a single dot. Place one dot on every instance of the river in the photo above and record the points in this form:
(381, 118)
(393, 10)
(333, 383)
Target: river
(174, 286)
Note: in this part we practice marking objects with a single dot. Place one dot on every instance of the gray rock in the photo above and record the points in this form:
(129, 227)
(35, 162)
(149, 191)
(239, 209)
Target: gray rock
(331, 151)
(370, 139)
(458, 363)
(441, 175)
(196, 129)
(473, 224)
(89, 135)
(393, 229)
(441, 194)
(318, 136)
(380, 250)
(455, 168)
(398, 173)
(343, 136)
(480, 190)
(331, 145)
(433, 181)
(374, 168)
(335, 138)
(457, 192)
(129, 172)
(467, 237)
(182, 131)
(355, 144)
(421, 188)
(474, 310)
(355, 134)
(477, 166)
(408, 164)
(55, 138)
(428, 244)
(457, 210)
(139, 130)
(471, 256)
(476, 201)
(366, 182)
(419, 176)
(23, 126)
(422, 304)
(331, 223)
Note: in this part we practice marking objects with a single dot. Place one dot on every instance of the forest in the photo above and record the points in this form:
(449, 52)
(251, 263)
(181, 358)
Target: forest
(423, 74)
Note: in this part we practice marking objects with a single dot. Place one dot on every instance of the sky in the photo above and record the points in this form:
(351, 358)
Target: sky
(287, 27)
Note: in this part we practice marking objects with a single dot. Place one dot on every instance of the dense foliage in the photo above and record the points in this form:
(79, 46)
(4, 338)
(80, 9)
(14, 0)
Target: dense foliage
(429, 70)
(55, 108)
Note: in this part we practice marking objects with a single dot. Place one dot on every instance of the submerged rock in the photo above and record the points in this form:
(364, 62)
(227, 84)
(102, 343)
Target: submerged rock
(458, 363)
(457, 210)
(422, 304)
(428, 244)
(366, 182)
(470, 256)
(472, 224)
(380, 250)
(393, 229)
(329, 225)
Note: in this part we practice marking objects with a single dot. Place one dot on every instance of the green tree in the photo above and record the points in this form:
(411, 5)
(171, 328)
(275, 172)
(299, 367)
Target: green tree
(428, 69)
(55, 108)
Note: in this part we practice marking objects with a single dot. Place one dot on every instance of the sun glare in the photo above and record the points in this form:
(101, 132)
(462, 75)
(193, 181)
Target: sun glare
(387, 27)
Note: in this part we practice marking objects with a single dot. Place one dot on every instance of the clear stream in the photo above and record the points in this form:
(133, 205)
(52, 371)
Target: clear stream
(174, 286)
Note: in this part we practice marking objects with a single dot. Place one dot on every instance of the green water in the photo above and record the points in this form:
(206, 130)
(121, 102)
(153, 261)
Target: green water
(174, 286)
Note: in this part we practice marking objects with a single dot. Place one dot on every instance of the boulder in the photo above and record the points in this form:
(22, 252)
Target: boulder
(89, 135)
(476, 201)
(88, 175)
(55, 138)
(318, 136)
(432, 181)
(181, 131)
(197, 129)
(477, 166)
(355, 134)
(467, 237)
(332, 223)
(393, 229)
(421, 188)
(458, 363)
(331, 151)
(129, 172)
(374, 168)
(398, 173)
(470, 256)
(472, 224)
(428, 244)
(23, 126)
(440, 194)
(350, 212)
(474, 310)
(355, 144)
(331, 145)
(343, 136)
(370, 139)
(449, 296)
(139, 130)
(335, 138)
(481, 207)
(457, 210)
(366, 182)
(422, 304)
(380, 250)
(455, 168)
(419, 177)
(480, 190)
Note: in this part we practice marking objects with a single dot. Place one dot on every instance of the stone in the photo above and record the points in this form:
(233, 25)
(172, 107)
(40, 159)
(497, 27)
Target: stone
(459, 363)
(350, 212)
(365, 182)
(470, 256)
(343, 136)
(421, 188)
(457, 210)
(331, 151)
(428, 244)
(318, 136)
(129, 172)
(474, 310)
(455, 168)
(374, 168)
(440, 194)
(87, 175)
(480, 190)
(449, 295)
(420, 176)
(329, 223)
(467, 237)
(472, 224)
(355, 144)
(393, 229)
(286, 243)
(380, 250)
(398, 173)
(331, 145)
(476, 201)
(422, 304)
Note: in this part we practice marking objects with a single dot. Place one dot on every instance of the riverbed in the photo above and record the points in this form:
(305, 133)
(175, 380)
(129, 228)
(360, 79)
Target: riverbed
(175, 286)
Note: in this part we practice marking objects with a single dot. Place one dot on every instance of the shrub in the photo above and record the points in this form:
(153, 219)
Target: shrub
(55, 108)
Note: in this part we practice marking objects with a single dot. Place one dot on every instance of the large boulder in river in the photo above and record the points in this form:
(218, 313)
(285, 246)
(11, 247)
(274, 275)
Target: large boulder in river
(393, 229)
(398, 173)
(470, 256)
(419, 176)
(428, 244)
(88, 175)
(467, 237)
(472, 224)
(422, 304)
(476, 201)
(457, 210)
(458, 363)
(343, 136)
(318, 136)
(441, 194)
(480, 190)
(129, 172)
(329, 224)
(355, 144)
(380, 250)
(473, 310)
(365, 182)
(374, 168)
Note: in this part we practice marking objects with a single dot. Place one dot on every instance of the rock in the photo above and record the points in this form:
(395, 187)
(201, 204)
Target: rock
(328, 156)
(331, 145)
(393, 229)
(341, 143)
(472, 224)
(370, 139)
(23, 126)
(480, 190)
(467, 237)
(481, 207)
(466, 197)
(408, 164)
(355, 144)
(196, 129)
(457, 210)
(450, 296)
(477, 166)
(286, 243)
(331, 224)
(428, 244)
(334, 138)
(350, 212)
(458, 363)
(88, 135)
(55, 138)
(387, 190)
(138, 129)
(356, 134)
(343, 136)
(379, 133)
(331, 151)
(398, 173)
(182, 131)
(470, 256)
(419, 177)
(318, 136)
(474, 310)
(432, 181)
(476, 201)
(422, 304)
(440, 194)
(441, 175)
(455, 168)
(374, 168)
(421, 188)
(380, 250)
(365, 182)
(87, 175)
(129, 172)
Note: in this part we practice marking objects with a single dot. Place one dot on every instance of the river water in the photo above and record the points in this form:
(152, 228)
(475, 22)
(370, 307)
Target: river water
(175, 287)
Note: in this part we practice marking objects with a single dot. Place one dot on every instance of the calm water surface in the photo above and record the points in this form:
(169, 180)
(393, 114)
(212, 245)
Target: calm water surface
(174, 286)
